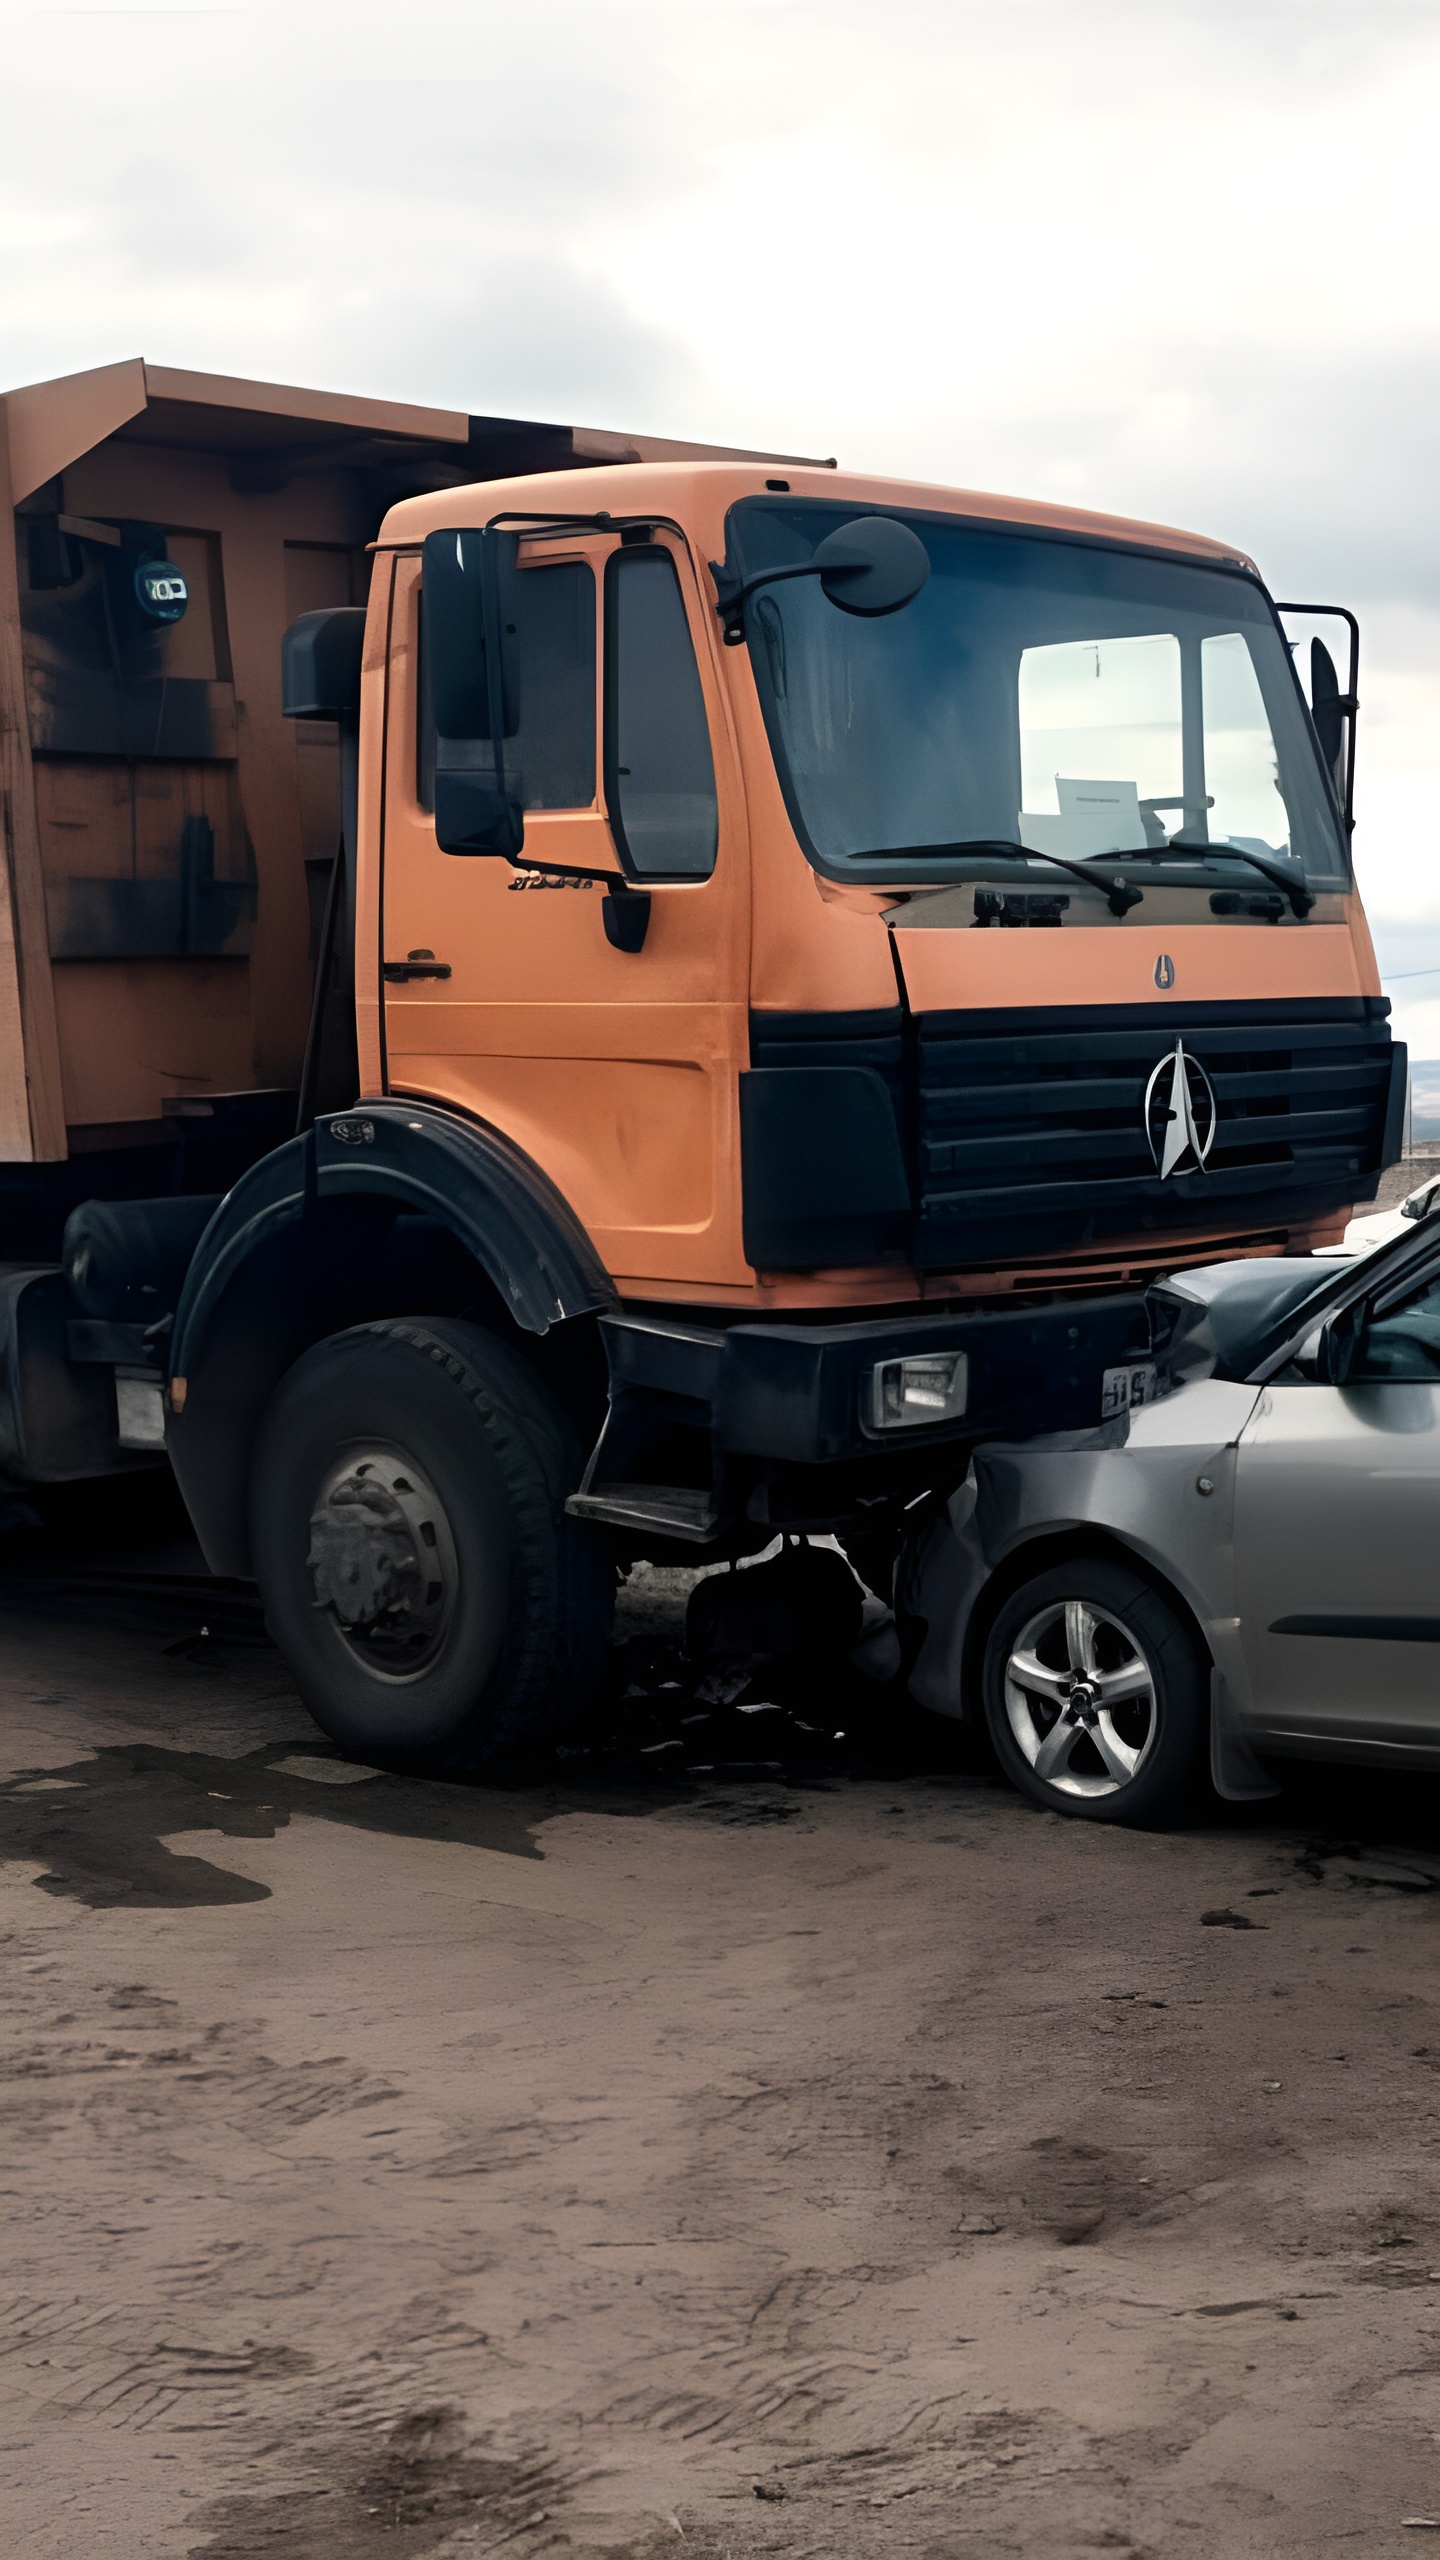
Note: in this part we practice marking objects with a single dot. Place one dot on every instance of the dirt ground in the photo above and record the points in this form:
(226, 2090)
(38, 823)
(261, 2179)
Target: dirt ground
(816, 2153)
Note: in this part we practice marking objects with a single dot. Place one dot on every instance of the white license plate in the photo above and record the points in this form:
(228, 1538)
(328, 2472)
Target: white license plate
(1123, 1390)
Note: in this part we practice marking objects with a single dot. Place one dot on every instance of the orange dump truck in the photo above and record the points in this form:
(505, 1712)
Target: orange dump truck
(692, 987)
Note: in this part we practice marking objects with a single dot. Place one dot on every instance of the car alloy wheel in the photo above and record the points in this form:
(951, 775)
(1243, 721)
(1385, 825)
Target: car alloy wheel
(1080, 1698)
(1096, 1693)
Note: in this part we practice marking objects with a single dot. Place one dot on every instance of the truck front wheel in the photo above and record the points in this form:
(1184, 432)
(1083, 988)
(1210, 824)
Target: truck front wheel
(419, 1573)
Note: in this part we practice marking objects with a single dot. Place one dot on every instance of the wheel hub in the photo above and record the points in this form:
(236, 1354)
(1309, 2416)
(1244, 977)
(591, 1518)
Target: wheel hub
(362, 1554)
(381, 1559)
(1081, 1706)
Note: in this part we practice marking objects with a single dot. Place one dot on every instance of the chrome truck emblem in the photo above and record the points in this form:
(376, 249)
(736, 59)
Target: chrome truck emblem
(1179, 1114)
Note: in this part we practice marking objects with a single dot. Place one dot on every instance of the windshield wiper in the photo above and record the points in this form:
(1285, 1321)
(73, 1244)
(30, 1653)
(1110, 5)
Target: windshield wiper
(1301, 899)
(1120, 895)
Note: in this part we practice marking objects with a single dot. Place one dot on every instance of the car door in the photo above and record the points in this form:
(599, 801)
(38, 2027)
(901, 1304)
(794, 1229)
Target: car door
(614, 1067)
(1337, 1529)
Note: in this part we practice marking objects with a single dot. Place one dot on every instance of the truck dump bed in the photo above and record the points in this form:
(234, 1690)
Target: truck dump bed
(170, 834)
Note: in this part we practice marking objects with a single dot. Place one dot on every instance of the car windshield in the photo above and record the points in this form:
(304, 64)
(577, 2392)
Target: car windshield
(1061, 695)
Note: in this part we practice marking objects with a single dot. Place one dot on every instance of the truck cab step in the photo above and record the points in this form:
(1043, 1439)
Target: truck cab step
(675, 1511)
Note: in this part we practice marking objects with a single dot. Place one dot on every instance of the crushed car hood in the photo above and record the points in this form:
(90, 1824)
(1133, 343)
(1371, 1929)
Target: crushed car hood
(1219, 1321)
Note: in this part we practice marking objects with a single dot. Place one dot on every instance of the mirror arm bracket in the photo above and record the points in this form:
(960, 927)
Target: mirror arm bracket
(733, 593)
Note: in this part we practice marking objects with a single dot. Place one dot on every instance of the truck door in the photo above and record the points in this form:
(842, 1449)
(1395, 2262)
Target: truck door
(615, 1069)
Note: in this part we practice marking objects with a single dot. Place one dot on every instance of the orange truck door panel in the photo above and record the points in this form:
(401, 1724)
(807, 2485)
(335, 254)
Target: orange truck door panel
(616, 1070)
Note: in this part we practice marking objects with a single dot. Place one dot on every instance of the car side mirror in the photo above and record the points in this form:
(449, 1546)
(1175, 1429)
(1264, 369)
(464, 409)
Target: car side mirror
(472, 671)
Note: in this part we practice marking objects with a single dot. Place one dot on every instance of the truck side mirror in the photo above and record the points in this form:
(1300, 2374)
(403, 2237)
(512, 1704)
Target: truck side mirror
(320, 664)
(465, 578)
(1325, 708)
(872, 566)
(471, 669)
(1333, 708)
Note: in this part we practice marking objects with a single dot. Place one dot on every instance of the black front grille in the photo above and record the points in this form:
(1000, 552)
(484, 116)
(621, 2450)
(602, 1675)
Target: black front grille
(1029, 1128)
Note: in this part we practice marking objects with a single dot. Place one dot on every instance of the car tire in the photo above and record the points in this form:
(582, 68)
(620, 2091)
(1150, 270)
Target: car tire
(1096, 1695)
(438, 1608)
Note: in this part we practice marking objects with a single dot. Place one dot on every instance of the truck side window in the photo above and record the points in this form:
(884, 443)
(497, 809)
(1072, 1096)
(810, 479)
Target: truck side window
(552, 756)
(659, 775)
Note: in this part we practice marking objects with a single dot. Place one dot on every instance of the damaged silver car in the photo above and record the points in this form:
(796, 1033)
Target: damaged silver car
(1241, 1564)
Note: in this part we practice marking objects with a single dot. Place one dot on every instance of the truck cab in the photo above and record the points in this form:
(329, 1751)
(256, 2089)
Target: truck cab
(824, 963)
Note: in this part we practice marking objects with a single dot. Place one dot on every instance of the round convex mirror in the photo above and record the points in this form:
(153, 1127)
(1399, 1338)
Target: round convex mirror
(873, 565)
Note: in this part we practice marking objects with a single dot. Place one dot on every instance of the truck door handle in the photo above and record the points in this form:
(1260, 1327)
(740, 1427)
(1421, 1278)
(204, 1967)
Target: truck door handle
(418, 964)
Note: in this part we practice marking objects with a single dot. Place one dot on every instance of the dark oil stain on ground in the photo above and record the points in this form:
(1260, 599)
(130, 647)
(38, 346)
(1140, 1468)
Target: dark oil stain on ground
(99, 1826)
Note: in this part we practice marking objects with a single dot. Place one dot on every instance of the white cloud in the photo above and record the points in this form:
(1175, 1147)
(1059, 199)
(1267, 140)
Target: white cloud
(1174, 257)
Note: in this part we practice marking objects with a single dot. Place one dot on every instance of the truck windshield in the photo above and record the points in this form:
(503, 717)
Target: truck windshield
(1062, 695)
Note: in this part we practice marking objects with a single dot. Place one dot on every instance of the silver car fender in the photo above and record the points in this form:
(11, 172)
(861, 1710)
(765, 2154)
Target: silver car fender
(1138, 1479)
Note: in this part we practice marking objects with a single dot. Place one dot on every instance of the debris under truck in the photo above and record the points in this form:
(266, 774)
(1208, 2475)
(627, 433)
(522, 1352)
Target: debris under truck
(803, 952)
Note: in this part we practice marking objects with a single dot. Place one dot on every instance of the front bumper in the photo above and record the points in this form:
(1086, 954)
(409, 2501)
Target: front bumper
(775, 1423)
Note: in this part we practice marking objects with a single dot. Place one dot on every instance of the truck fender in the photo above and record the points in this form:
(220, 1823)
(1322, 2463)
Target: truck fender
(260, 1290)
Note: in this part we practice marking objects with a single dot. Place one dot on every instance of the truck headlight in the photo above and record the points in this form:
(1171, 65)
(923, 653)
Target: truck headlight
(929, 1386)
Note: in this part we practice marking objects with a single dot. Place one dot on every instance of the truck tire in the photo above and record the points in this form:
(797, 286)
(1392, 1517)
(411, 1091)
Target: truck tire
(437, 1607)
(1097, 1695)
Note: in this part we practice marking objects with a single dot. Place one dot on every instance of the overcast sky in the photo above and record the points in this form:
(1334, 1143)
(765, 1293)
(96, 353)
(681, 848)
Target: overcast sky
(1174, 257)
